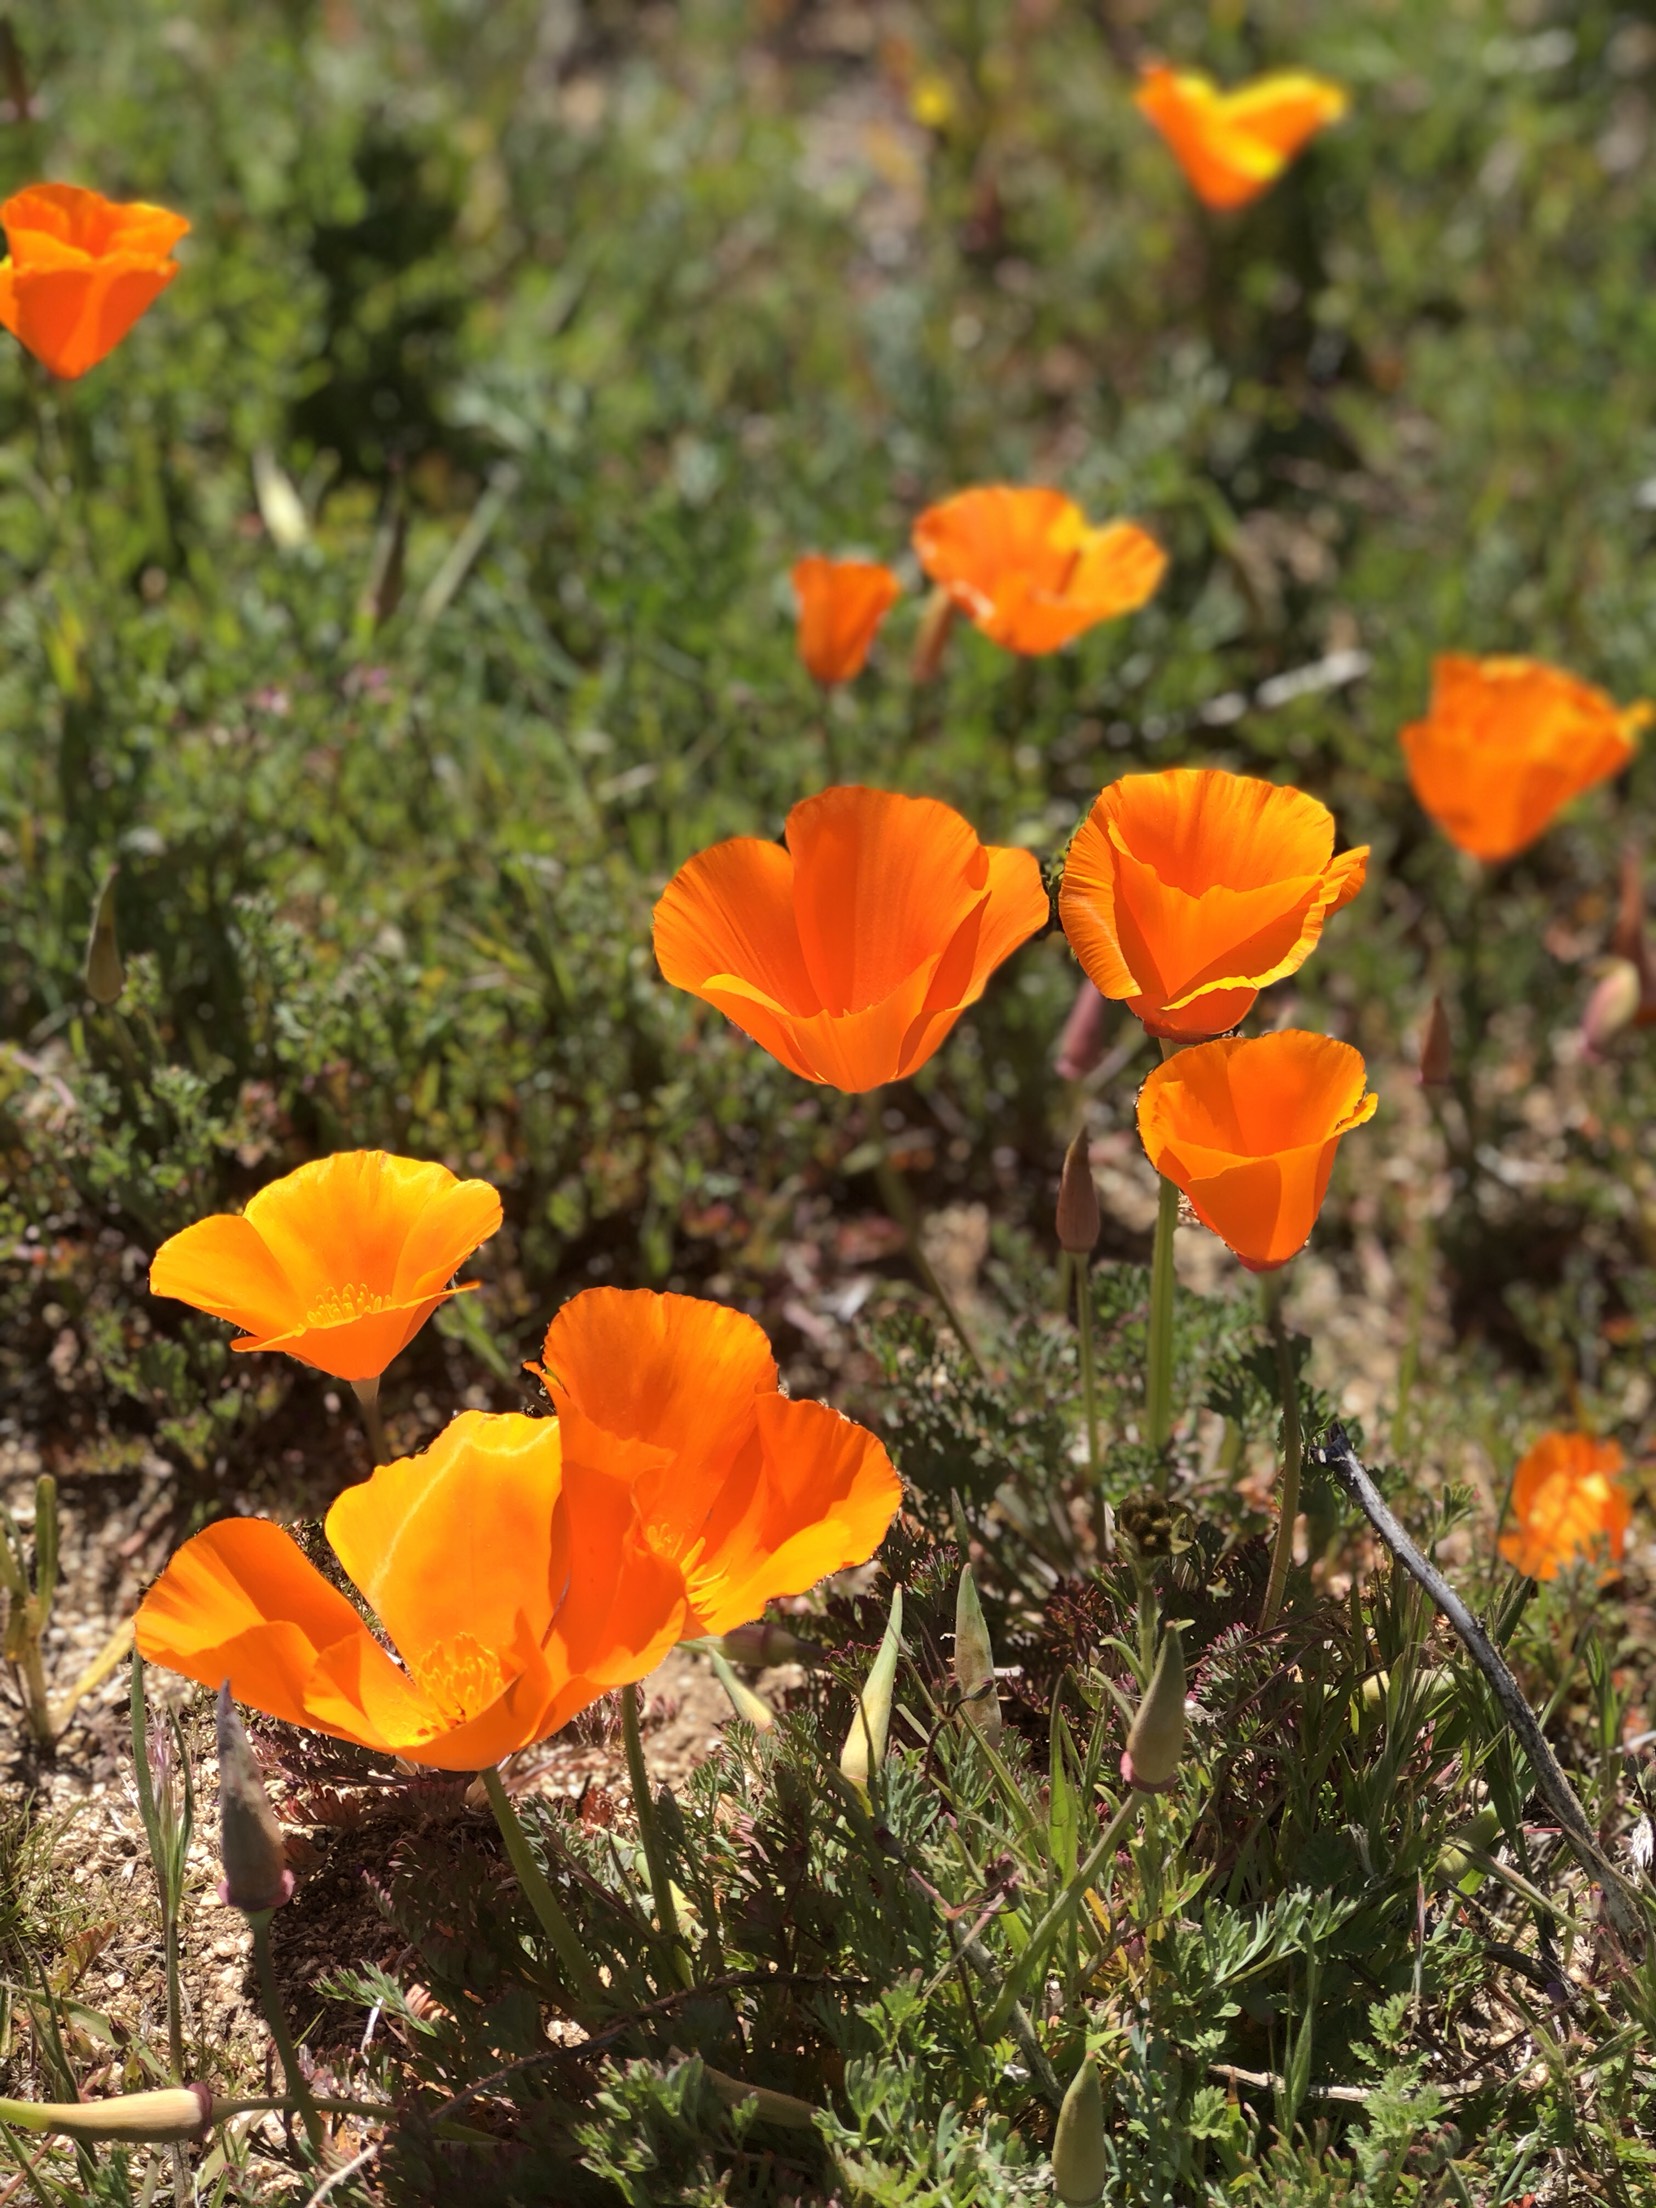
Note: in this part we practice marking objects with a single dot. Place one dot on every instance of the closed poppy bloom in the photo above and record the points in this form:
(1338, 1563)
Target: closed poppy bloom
(1506, 744)
(81, 270)
(1248, 1129)
(747, 1491)
(514, 1583)
(851, 954)
(841, 605)
(1568, 1504)
(1234, 145)
(1185, 892)
(340, 1264)
(1028, 568)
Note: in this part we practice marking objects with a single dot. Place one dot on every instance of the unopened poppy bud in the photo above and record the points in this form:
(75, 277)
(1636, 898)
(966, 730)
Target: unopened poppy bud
(1612, 1008)
(1156, 1740)
(1080, 2168)
(763, 1645)
(865, 1743)
(177, 2112)
(1078, 1221)
(1081, 1044)
(105, 973)
(256, 1876)
(936, 620)
(1437, 1049)
(1628, 939)
(974, 1662)
(1454, 1865)
(749, 1706)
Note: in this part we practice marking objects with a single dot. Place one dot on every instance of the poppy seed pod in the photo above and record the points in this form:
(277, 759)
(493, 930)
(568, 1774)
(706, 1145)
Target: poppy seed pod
(1437, 1049)
(1078, 1219)
(105, 972)
(1081, 1045)
(1080, 2167)
(1156, 1739)
(256, 1876)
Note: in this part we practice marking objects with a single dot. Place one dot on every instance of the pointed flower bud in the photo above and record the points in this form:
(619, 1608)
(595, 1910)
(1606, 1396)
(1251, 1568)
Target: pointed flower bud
(1081, 1045)
(1156, 1740)
(178, 2112)
(1437, 1049)
(865, 1743)
(763, 1645)
(1628, 940)
(753, 1708)
(936, 620)
(105, 973)
(1078, 1220)
(1612, 1008)
(256, 1876)
(1080, 2167)
(974, 1662)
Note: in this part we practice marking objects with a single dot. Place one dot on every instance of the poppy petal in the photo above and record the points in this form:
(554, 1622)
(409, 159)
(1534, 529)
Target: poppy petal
(457, 1540)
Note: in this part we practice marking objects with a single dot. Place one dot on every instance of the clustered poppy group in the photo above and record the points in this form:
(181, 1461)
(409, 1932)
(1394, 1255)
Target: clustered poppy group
(522, 1566)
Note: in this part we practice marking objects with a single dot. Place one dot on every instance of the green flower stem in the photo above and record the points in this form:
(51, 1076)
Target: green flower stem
(1159, 1372)
(293, 2078)
(1044, 1934)
(1089, 1399)
(1292, 1451)
(661, 1884)
(537, 1891)
(898, 1199)
(367, 1394)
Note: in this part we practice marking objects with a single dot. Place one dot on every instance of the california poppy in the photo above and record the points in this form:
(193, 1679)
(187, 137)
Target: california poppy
(1028, 568)
(1185, 892)
(512, 1578)
(1234, 145)
(339, 1263)
(81, 270)
(1506, 743)
(751, 1493)
(1248, 1129)
(841, 605)
(851, 954)
(1568, 1503)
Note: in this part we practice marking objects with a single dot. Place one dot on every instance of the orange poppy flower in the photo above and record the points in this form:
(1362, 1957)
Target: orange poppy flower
(1568, 1504)
(513, 1579)
(340, 1264)
(1248, 1129)
(750, 1493)
(1506, 743)
(1185, 892)
(841, 604)
(1234, 145)
(851, 954)
(81, 270)
(1029, 570)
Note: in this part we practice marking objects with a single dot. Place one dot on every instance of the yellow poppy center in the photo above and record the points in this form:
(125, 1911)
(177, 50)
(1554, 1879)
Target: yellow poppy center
(460, 1676)
(338, 1306)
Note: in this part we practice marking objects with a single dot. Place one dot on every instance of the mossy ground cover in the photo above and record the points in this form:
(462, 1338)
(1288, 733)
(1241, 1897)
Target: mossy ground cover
(407, 599)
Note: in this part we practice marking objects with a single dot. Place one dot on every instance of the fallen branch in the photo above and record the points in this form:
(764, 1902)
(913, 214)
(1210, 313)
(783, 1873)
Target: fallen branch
(1624, 1905)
